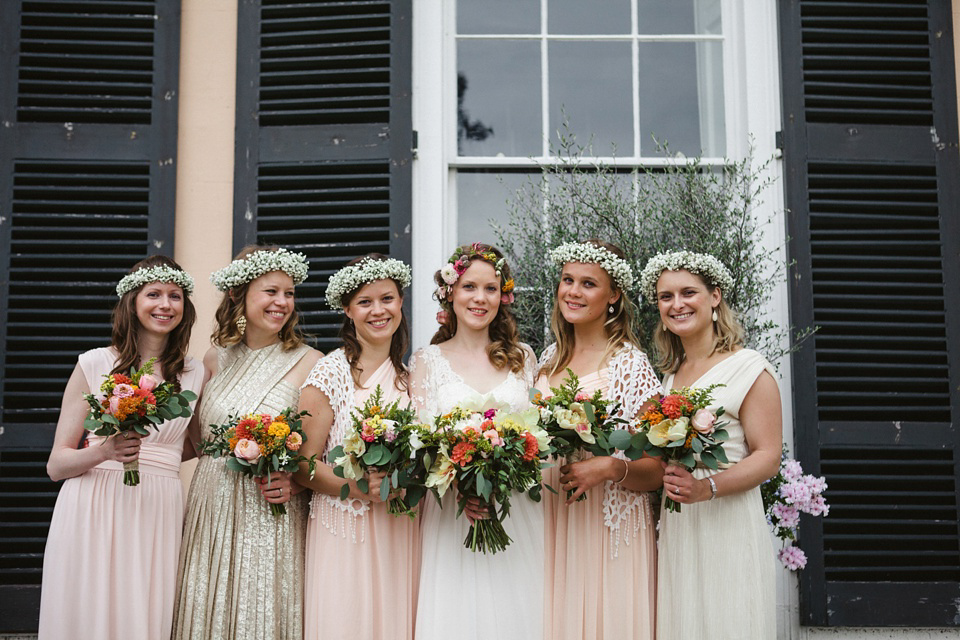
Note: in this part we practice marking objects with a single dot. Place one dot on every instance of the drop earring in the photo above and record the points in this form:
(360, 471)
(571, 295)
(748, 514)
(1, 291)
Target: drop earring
(610, 309)
(664, 327)
(242, 324)
(714, 315)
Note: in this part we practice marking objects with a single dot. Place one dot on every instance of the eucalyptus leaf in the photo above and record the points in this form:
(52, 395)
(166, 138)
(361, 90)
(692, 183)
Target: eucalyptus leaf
(688, 461)
(344, 491)
(233, 464)
(395, 479)
(720, 435)
(363, 485)
(639, 440)
(484, 487)
(110, 419)
(696, 445)
(373, 454)
(620, 438)
(708, 460)
(338, 471)
(590, 411)
(384, 491)
(188, 395)
(719, 454)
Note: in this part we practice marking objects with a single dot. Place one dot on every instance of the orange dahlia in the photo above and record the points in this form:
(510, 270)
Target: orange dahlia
(675, 405)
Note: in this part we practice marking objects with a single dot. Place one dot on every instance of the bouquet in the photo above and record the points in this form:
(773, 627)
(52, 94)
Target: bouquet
(133, 403)
(490, 454)
(680, 428)
(259, 444)
(785, 497)
(576, 422)
(384, 438)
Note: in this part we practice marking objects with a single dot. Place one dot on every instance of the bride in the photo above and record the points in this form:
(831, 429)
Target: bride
(475, 361)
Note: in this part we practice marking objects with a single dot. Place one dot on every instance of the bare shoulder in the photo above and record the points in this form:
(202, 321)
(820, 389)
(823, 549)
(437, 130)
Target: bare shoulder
(210, 362)
(309, 359)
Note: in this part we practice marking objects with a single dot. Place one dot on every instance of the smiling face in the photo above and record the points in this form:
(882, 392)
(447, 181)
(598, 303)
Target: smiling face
(159, 307)
(476, 296)
(585, 292)
(268, 304)
(685, 302)
(376, 310)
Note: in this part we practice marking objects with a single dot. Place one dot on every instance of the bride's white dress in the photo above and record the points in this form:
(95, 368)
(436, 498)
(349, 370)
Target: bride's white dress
(465, 594)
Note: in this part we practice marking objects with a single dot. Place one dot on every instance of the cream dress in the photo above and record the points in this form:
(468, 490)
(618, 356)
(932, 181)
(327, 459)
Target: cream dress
(362, 562)
(717, 572)
(241, 568)
(110, 566)
(601, 553)
(464, 594)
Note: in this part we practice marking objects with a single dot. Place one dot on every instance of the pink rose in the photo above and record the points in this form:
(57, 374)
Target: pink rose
(294, 440)
(703, 421)
(367, 433)
(506, 298)
(114, 404)
(493, 437)
(442, 316)
(122, 391)
(148, 382)
(247, 450)
(582, 397)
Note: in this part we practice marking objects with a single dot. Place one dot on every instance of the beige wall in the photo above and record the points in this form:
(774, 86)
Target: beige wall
(204, 232)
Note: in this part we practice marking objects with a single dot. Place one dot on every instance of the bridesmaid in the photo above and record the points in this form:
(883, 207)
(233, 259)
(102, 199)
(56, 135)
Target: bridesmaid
(601, 552)
(110, 566)
(360, 558)
(241, 568)
(707, 589)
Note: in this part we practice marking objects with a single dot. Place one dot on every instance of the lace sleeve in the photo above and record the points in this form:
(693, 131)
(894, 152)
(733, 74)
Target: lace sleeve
(423, 395)
(530, 367)
(547, 355)
(632, 380)
(331, 375)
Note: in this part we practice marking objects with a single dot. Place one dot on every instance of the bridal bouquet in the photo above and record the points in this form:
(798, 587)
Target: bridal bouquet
(384, 438)
(785, 497)
(490, 454)
(576, 421)
(258, 444)
(133, 403)
(680, 428)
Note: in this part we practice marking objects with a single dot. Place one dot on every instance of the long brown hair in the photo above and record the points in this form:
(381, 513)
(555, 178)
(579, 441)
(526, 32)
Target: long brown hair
(618, 326)
(727, 335)
(398, 344)
(233, 305)
(504, 348)
(126, 329)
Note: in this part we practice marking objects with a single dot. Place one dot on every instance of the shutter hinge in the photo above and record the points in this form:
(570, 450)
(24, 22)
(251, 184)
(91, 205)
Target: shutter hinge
(778, 140)
(414, 143)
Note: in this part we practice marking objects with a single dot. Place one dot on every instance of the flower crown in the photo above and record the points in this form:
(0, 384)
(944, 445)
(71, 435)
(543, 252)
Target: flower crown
(460, 262)
(256, 264)
(367, 270)
(585, 252)
(702, 264)
(159, 273)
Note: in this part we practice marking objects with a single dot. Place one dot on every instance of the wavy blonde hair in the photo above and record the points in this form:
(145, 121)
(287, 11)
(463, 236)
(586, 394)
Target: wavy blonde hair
(618, 326)
(233, 305)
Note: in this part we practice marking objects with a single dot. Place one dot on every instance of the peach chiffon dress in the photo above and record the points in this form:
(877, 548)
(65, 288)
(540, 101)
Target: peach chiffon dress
(362, 564)
(601, 552)
(110, 566)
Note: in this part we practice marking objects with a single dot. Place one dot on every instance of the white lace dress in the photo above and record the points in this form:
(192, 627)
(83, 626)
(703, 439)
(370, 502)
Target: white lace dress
(465, 594)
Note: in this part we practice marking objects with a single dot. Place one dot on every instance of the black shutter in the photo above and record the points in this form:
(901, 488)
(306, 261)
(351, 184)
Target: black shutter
(870, 148)
(87, 146)
(324, 136)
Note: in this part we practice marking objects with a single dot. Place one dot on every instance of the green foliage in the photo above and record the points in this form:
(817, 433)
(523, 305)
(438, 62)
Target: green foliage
(683, 205)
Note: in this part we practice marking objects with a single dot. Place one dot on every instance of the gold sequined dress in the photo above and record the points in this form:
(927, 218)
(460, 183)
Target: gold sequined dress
(241, 568)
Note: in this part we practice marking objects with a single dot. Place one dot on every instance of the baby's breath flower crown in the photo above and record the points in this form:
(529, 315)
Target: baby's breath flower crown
(258, 263)
(702, 264)
(618, 268)
(159, 273)
(459, 261)
(367, 270)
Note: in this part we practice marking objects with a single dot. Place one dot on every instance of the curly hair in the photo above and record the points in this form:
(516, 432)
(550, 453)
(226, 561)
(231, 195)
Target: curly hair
(398, 344)
(126, 329)
(618, 326)
(233, 305)
(504, 349)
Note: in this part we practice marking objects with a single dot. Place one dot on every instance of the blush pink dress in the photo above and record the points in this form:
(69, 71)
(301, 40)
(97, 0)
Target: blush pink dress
(601, 553)
(110, 566)
(362, 563)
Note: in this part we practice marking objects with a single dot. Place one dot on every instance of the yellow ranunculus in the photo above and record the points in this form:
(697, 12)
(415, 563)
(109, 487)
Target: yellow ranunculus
(668, 431)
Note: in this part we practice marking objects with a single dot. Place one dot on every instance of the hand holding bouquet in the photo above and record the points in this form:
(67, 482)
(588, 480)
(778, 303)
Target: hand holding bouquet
(680, 428)
(259, 444)
(133, 403)
(490, 454)
(386, 439)
(785, 497)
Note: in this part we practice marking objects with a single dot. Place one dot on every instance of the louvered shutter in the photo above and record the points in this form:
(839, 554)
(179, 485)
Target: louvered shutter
(870, 148)
(324, 136)
(87, 142)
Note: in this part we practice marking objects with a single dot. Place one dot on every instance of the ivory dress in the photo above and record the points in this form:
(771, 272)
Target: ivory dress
(465, 594)
(717, 572)
(360, 559)
(241, 568)
(110, 566)
(601, 553)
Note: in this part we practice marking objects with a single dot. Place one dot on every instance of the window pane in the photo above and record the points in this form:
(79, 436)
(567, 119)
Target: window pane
(483, 196)
(590, 88)
(498, 16)
(498, 98)
(592, 17)
(678, 16)
(681, 98)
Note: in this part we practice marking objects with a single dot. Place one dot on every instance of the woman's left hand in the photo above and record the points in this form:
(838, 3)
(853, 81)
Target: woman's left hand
(582, 476)
(682, 487)
(280, 489)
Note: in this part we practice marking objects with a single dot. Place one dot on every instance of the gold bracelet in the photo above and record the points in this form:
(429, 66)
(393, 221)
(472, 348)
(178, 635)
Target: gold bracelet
(626, 471)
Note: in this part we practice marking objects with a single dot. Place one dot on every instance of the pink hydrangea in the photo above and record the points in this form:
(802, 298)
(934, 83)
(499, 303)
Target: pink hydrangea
(792, 558)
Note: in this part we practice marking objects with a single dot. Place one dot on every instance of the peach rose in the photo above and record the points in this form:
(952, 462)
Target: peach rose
(703, 421)
(148, 382)
(247, 450)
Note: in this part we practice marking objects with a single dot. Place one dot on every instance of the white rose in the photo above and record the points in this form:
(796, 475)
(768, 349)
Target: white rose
(449, 274)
